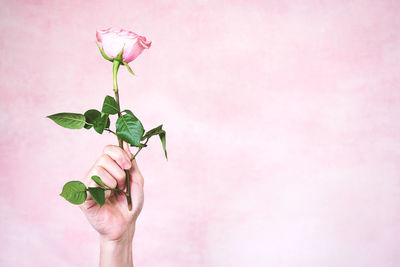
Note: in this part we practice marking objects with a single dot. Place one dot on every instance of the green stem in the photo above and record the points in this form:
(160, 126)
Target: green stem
(112, 189)
(110, 131)
(117, 190)
(116, 64)
(134, 156)
(140, 148)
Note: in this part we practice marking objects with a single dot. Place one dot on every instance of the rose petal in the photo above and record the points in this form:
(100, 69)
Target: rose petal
(113, 39)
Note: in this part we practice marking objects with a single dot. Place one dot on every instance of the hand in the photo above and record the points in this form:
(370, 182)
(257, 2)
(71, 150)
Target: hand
(113, 221)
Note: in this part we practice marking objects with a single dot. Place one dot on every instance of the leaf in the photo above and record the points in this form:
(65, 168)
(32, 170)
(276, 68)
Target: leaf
(155, 131)
(110, 106)
(161, 133)
(108, 123)
(98, 195)
(101, 123)
(164, 141)
(97, 120)
(74, 192)
(127, 111)
(68, 120)
(130, 129)
(91, 116)
(129, 68)
(98, 181)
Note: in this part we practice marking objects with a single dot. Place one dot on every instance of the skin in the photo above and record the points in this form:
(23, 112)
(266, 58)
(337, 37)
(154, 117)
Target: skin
(113, 221)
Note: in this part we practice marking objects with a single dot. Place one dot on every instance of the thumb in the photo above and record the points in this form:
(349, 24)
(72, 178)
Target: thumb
(136, 176)
(137, 183)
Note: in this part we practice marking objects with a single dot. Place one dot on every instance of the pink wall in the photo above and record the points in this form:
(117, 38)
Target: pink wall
(283, 122)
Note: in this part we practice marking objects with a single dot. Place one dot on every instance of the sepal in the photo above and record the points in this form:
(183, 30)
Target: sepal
(129, 68)
(103, 54)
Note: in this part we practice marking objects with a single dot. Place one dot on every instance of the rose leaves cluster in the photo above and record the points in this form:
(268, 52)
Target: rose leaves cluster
(128, 126)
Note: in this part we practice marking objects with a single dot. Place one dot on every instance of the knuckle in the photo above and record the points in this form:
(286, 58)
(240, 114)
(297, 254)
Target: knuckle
(97, 169)
(100, 160)
(120, 175)
(121, 152)
(107, 148)
(110, 148)
(104, 158)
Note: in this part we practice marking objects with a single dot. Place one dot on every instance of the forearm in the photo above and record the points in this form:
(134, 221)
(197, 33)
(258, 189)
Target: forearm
(116, 253)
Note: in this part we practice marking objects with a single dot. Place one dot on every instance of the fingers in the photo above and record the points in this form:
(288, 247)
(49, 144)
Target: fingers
(112, 168)
(104, 175)
(119, 156)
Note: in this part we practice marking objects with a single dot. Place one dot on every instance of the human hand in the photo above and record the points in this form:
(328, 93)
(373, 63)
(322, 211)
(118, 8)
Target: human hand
(113, 221)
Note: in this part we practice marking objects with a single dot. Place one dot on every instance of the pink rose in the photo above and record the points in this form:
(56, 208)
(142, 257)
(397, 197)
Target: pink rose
(113, 39)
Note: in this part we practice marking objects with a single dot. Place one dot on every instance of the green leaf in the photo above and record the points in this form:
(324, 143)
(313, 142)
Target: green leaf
(98, 195)
(130, 129)
(108, 123)
(101, 123)
(68, 120)
(98, 181)
(97, 120)
(127, 111)
(110, 106)
(129, 68)
(156, 131)
(164, 141)
(161, 133)
(91, 116)
(74, 192)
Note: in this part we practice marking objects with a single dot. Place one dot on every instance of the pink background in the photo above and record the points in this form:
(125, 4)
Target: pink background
(282, 119)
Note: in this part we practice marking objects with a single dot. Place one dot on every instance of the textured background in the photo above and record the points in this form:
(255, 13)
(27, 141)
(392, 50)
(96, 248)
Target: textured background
(282, 119)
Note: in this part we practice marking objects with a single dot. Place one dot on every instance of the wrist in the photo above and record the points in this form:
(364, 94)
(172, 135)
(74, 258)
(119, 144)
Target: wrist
(117, 252)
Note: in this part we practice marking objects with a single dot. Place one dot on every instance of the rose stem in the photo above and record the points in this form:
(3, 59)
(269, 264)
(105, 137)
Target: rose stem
(140, 148)
(116, 64)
